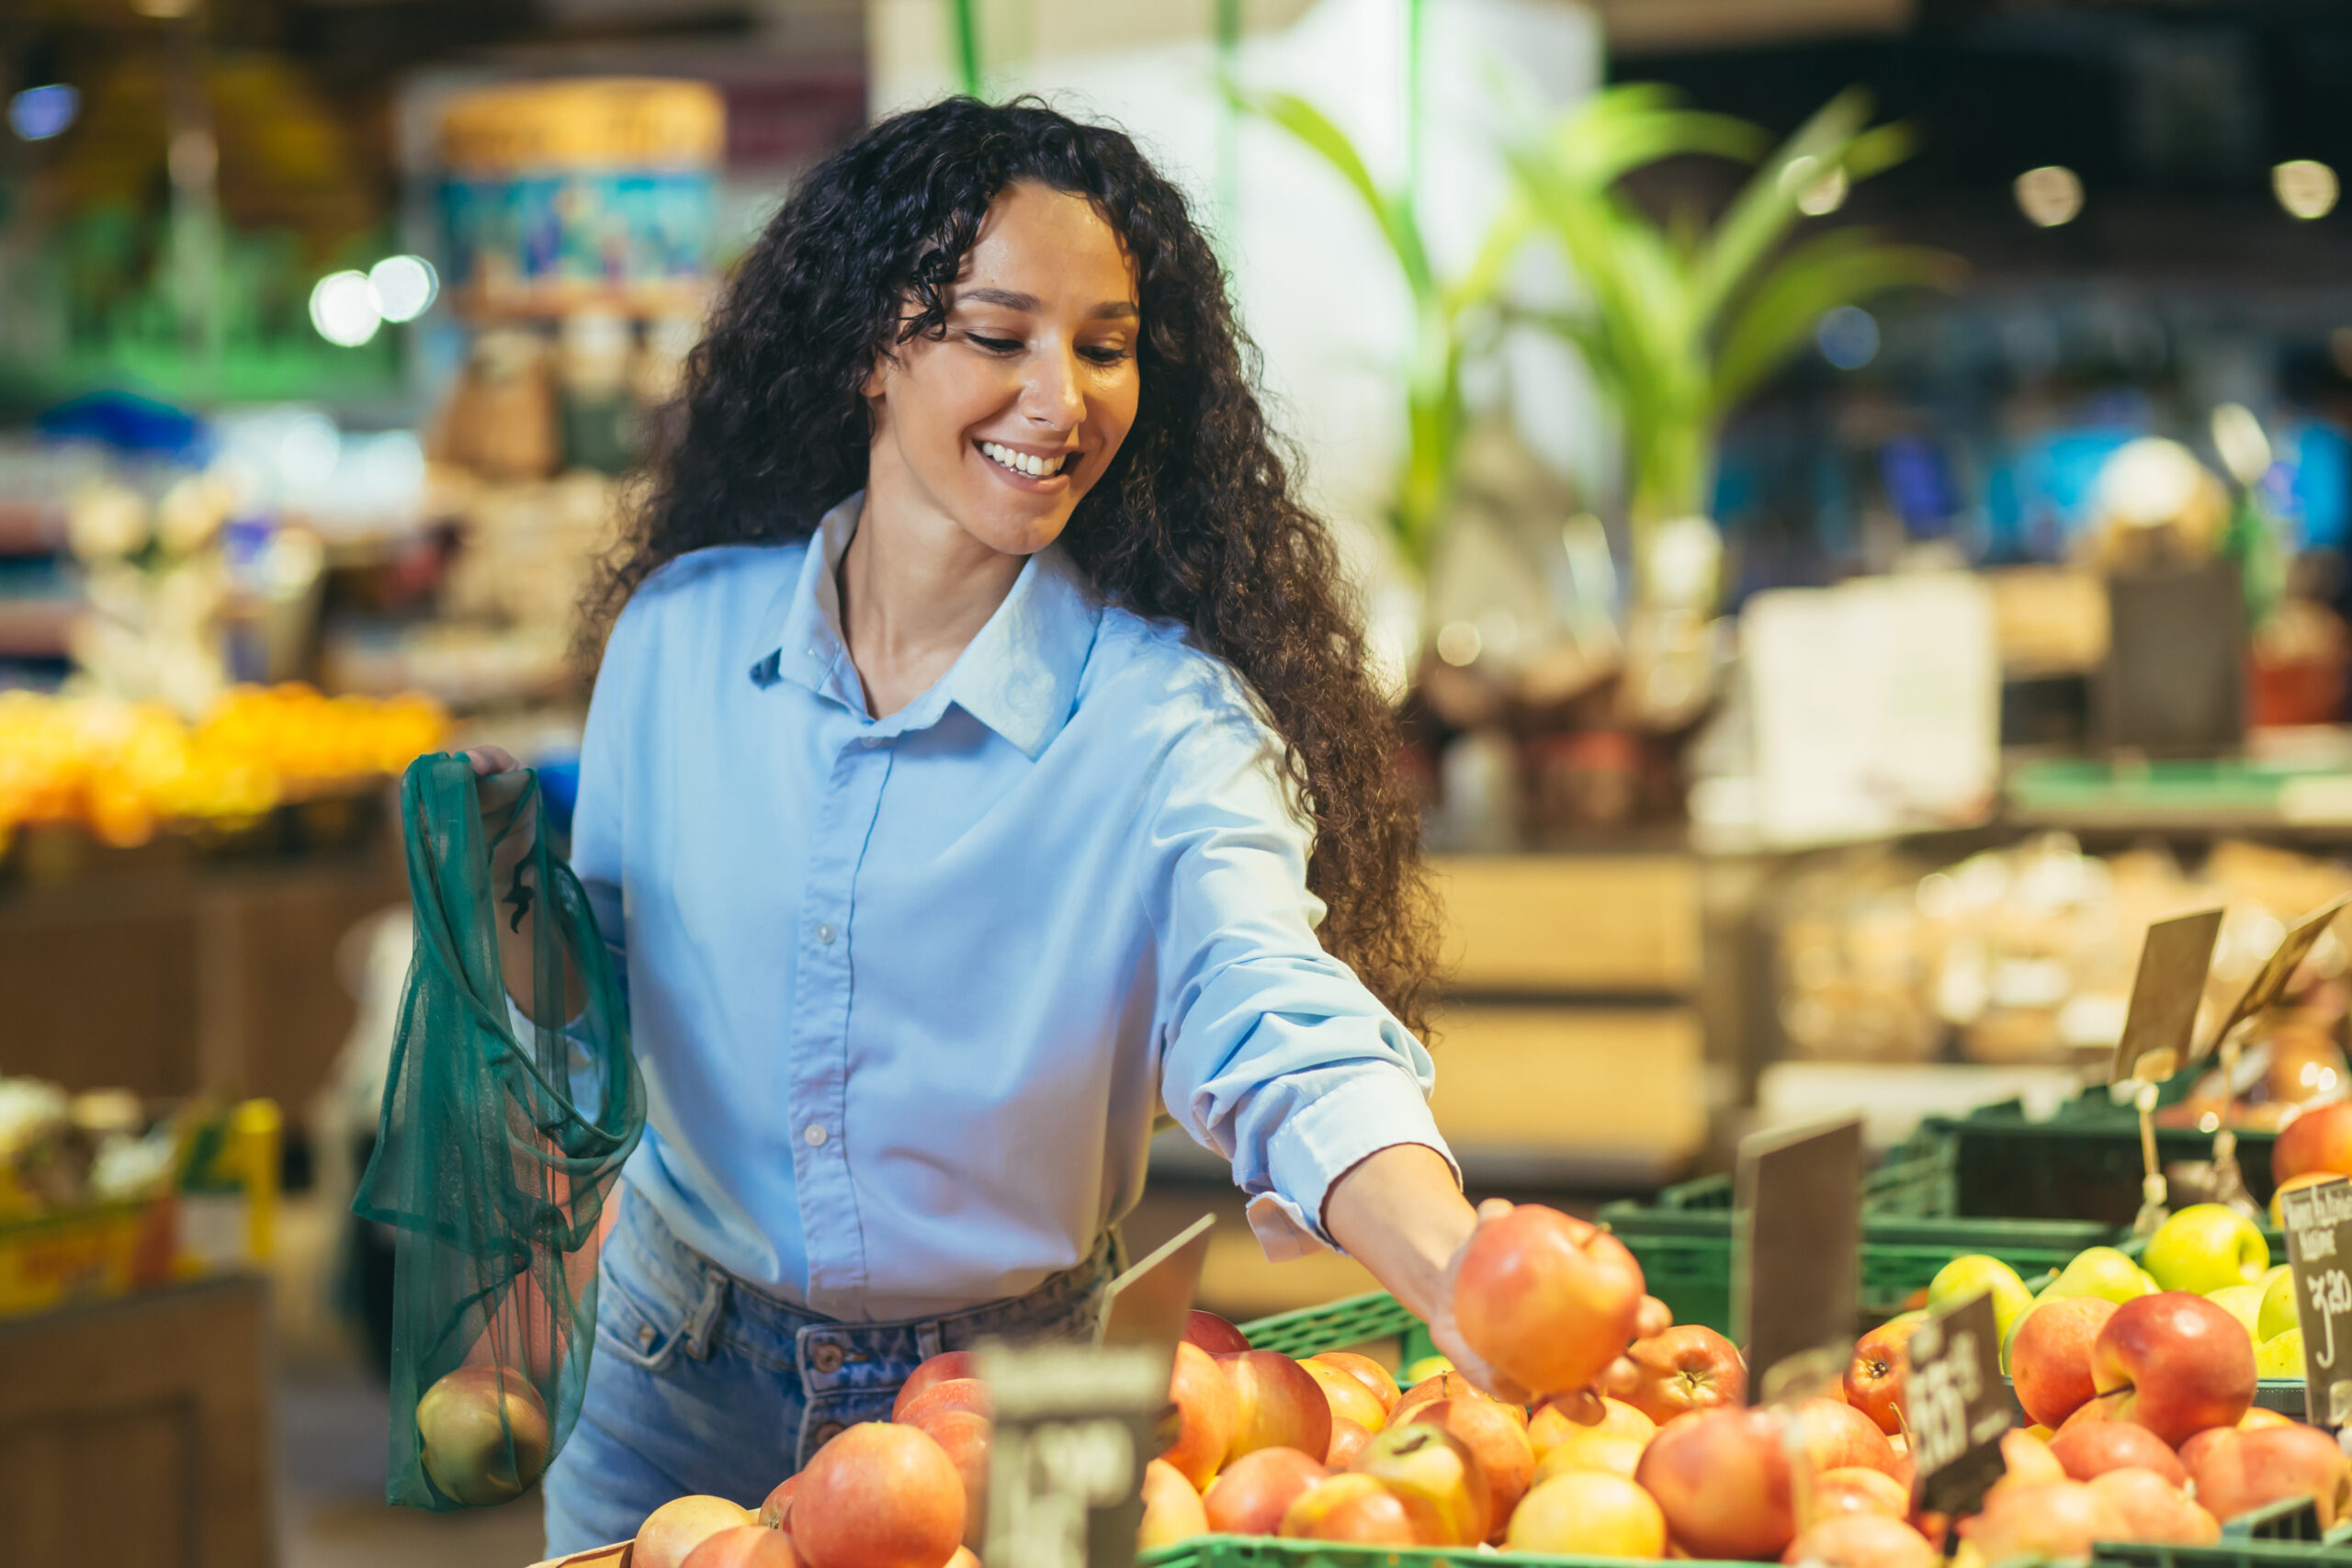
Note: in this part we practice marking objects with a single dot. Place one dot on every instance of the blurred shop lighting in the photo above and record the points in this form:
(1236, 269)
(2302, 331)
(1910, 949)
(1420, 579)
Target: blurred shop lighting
(1818, 194)
(2305, 187)
(344, 308)
(1848, 337)
(403, 286)
(2244, 449)
(2049, 194)
(38, 113)
(1459, 644)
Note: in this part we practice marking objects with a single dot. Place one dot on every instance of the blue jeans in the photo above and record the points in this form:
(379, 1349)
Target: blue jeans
(701, 1383)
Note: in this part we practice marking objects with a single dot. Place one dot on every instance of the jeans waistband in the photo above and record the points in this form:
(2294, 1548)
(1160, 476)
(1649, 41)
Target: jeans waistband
(662, 1254)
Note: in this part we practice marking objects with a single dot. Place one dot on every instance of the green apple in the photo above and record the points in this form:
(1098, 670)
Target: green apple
(2207, 1246)
(2281, 1356)
(1977, 1274)
(2277, 1315)
(2243, 1303)
(2276, 1271)
(2104, 1272)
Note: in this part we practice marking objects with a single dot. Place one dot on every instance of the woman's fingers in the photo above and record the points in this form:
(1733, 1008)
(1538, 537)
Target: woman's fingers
(487, 759)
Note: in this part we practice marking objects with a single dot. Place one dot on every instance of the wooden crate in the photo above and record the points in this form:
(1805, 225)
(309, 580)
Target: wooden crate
(135, 1433)
(1611, 1096)
(1619, 924)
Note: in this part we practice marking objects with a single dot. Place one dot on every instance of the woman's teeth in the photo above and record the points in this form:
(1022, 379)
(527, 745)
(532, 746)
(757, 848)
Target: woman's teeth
(1022, 462)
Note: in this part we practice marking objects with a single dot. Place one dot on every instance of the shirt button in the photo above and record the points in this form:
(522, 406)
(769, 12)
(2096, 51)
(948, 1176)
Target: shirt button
(871, 741)
(826, 1358)
(825, 933)
(814, 1137)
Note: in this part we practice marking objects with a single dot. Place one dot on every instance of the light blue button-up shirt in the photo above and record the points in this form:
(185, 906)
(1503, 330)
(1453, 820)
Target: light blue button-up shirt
(906, 991)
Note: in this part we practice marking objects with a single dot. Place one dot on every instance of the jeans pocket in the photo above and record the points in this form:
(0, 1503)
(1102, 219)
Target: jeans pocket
(636, 1321)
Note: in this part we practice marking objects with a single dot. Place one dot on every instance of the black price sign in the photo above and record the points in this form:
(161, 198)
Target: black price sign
(2319, 1256)
(1075, 1425)
(1796, 1220)
(1956, 1406)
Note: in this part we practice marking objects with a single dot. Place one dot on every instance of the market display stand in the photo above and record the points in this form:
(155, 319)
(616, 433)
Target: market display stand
(135, 1432)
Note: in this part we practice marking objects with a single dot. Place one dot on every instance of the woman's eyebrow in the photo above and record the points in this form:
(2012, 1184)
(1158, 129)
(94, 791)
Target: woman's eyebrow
(1012, 300)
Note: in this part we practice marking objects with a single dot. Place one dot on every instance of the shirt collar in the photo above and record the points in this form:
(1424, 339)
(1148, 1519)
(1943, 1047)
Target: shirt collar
(1019, 675)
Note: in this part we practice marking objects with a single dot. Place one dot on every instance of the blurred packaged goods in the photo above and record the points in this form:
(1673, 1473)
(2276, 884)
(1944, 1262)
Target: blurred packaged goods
(2026, 954)
(594, 192)
(124, 771)
(97, 1199)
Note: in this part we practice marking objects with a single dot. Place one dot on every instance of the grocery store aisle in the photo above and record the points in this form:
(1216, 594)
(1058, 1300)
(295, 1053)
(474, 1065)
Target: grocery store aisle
(331, 1508)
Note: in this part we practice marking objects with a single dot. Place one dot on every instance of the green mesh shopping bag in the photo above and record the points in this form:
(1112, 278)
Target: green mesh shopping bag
(496, 1153)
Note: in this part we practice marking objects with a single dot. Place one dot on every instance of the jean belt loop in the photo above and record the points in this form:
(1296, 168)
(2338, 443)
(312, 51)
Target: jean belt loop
(704, 1320)
(929, 1340)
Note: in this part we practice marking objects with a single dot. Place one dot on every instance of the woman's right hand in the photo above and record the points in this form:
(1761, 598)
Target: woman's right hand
(499, 783)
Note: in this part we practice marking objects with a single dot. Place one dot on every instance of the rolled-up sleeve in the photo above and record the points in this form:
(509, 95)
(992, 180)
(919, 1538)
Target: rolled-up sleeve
(1271, 1052)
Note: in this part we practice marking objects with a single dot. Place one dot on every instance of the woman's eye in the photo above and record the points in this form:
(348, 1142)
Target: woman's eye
(995, 344)
(1105, 356)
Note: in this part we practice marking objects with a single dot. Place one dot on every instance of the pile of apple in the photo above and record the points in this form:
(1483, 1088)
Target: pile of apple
(1641, 1444)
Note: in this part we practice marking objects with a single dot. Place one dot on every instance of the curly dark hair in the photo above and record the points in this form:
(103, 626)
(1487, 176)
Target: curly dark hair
(1193, 522)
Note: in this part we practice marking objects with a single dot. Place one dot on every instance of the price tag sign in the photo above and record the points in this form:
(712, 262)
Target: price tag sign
(1956, 1406)
(2270, 983)
(1796, 1224)
(1075, 1425)
(2172, 965)
(2319, 1254)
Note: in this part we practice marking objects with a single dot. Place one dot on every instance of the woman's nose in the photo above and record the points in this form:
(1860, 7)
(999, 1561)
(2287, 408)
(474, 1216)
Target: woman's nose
(1052, 396)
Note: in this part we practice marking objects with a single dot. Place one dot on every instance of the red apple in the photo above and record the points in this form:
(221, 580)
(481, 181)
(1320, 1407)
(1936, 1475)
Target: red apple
(880, 1496)
(1252, 1494)
(2319, 1138)
(2237, 1470)
(1350, 1507)
(1546, 1300)
(948, 1366)
(1504, 1453)
(964, 1436)
(956, 1394)
(1348, 1440)
(1863, 1540)
(776, 1512)
(2050, 1356)
(1721, 1478)
(2154, 1510)
(1213, 1333)
(2175, 1363)
(1687, 1367)
(2093, 1450)
(1346, 1394)
(1171, 1510)
(1858, 1489)
(679, 1525)
(744, 1546)
(1207, 1410)
(1365, 1371)
(2057, 1519)
(1874, 1377)
(1445, 1385)
(1277, 1405)
(1436, 1476)
(1838, 1436)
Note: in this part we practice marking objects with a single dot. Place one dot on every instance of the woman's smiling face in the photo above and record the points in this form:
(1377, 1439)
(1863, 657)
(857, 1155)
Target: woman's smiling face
(1002, 425)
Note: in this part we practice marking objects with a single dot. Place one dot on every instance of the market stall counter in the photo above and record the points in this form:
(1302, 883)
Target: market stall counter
(136, 1430)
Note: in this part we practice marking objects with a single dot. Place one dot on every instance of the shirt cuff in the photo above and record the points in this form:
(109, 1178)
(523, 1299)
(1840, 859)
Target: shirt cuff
(1325, 1138)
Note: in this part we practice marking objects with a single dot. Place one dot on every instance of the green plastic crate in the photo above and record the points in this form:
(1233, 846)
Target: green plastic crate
(1337, 1325)
(1260, 1551)
(2283, 1533)
(2084, 1161)
(1912, 1223)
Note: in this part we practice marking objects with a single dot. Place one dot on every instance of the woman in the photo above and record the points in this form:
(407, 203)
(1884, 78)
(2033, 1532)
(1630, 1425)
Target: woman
(981, 749)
